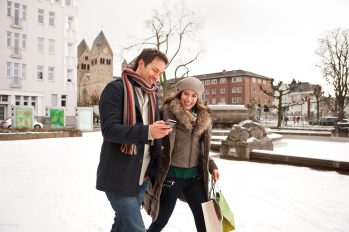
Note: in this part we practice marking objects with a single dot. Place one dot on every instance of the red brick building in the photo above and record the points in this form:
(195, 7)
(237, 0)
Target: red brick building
(237, 87)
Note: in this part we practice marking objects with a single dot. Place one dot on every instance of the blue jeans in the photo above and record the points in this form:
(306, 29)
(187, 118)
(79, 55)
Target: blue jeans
(128, 216)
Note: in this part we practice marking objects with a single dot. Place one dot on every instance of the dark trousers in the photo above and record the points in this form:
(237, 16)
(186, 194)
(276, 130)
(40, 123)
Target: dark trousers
(194, 193)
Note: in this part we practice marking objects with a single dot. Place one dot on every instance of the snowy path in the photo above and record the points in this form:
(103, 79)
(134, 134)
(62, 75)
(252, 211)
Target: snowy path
(49, 185)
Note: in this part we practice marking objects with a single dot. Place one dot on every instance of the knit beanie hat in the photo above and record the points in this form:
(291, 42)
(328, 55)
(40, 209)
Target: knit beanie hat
(191, 83)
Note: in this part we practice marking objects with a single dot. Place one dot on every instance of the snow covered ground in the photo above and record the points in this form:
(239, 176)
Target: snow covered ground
(49, 185)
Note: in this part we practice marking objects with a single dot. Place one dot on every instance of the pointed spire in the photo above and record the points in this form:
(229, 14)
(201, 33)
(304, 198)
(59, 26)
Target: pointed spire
(100, 41)
(82, 47)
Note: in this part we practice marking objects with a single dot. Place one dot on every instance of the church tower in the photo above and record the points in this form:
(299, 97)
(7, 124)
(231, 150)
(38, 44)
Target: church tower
(95, 69)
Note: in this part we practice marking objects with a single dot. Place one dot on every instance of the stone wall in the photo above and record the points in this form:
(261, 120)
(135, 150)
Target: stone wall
(39, 135)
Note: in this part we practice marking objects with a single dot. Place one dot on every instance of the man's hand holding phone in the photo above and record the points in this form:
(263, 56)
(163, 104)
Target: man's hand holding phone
(171, 122)
(159, 129)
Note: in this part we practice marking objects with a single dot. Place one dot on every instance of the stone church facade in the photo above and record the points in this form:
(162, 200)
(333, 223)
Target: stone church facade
(94, 70)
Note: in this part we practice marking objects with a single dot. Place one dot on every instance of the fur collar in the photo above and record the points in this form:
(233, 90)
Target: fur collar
(185, 118)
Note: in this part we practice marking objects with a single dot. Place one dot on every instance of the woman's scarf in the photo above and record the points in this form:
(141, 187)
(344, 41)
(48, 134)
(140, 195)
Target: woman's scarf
(129, 77)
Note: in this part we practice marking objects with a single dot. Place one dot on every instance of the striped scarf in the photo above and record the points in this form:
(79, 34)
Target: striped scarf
(128, 79)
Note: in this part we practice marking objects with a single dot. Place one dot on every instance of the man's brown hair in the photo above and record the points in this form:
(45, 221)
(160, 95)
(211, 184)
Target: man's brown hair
(148, 55)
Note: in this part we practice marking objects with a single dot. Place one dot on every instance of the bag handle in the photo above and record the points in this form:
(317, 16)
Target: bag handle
(214, 190)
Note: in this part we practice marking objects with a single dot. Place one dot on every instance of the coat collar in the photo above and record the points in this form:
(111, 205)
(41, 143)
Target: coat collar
(187, 120)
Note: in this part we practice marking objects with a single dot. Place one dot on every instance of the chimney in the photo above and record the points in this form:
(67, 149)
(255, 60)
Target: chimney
(224, 72)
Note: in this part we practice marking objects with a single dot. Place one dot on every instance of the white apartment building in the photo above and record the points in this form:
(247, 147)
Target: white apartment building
(38, 56)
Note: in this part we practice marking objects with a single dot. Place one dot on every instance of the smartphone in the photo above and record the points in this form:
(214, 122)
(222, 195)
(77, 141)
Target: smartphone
(171, 122)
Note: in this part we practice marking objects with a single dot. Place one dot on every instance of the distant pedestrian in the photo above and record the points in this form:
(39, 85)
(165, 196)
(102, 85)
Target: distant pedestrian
(298, 117)
(286, 120)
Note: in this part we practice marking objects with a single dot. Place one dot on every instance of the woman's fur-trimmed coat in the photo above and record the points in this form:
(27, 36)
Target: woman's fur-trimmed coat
(203, 128)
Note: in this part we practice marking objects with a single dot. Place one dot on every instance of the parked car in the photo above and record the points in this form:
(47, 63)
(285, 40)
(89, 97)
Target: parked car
(324, 121)
(344, 123)
(7, 123)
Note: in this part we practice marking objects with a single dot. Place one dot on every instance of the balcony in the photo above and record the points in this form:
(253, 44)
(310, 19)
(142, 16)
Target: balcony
(17, 22)
(16, 52)
(16, 83)
(70, 34)
(70, 61)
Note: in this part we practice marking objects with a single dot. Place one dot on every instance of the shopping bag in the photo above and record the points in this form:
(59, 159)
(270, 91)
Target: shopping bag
(212, 216)
(228, 223)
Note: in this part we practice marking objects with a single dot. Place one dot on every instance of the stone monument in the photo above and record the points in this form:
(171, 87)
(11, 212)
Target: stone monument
(244, 137)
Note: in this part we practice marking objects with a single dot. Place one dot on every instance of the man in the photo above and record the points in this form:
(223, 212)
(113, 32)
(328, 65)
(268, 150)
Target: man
(131, 138)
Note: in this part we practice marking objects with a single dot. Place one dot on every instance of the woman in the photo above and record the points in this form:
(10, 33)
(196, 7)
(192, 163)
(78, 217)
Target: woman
(185, 162)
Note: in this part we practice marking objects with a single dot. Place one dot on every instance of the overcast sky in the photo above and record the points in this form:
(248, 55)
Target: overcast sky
(274, 38)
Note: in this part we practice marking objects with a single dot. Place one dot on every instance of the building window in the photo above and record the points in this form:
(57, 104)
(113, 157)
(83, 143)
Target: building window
(222, 90)
(213, 91)
(51, 73)
(71, 23)
(213, 101)
(264, 82)
(86, 57)
(51, 18)
(24, 70)
(67, 2)
(69, 75)
(16, 14)
(25, 100)
(54, 100)
(3, 98)
(254, 80)
(15, 79)
(233, 100)
(17, 44)
(237, 79)
(51, 46)
(18, 100)
(233, 90)
(207, 92)
(222, 80)
(70, 49)
(239, 100)
(24, 41)
(33, 102)
(207, 82)
(259, 81)
(24, 12)
(40, 44)
(9, 8)
(41, 13)
(239, 89)
(9, 69)
(254, 90)
(222, 100)
(214, 81)
(64, 100)
(40, 72)
(9, 39)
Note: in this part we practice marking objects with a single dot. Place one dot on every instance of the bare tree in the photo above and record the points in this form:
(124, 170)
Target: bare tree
(334, 64)
(278, 91)
(94, 99)
(318, 93)
(170, 31)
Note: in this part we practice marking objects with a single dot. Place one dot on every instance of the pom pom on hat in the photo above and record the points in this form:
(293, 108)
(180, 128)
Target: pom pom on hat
(191, 83)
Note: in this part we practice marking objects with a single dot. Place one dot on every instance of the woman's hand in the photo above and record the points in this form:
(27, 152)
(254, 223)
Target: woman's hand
(215, 174)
